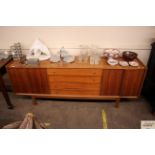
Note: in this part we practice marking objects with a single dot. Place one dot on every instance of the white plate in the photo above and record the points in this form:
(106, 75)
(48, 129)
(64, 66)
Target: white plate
(44, 57)
(69, 58)
(40, 57)
(133, 63)
(112, 62)
(31, 57)
(123, 63)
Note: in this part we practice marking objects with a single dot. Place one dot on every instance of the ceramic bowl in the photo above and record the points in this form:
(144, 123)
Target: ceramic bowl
(129, 56)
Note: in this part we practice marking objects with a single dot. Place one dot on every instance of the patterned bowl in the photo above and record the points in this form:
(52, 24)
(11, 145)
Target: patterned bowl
(129, 56)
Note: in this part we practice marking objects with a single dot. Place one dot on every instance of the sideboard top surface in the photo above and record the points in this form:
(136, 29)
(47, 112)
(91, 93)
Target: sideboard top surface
(47, 64)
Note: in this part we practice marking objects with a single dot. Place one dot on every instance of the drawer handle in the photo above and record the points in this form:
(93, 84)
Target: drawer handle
(72, 89)
(13, 66)
(57, 87)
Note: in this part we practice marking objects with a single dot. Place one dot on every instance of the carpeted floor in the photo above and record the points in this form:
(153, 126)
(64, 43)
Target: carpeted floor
(77, 114)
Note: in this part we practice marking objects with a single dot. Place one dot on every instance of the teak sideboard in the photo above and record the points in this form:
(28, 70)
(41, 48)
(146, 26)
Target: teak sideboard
(77, 80)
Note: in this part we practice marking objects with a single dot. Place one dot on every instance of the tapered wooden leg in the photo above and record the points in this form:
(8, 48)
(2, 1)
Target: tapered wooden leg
(117, 103)
(34, 101)
(5, 94)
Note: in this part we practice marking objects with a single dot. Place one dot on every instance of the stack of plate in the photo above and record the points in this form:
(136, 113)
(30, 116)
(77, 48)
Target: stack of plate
(69, 58)
(55, 58)
(66, 58)
(112, 62)
(123, 63)
(133, 63)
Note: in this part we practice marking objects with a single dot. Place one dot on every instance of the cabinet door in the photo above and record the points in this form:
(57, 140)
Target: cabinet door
(29, 80)
(132, 82)
(111, 82)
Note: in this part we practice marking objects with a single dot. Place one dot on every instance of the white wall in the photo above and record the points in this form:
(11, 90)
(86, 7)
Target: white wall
(137, 39)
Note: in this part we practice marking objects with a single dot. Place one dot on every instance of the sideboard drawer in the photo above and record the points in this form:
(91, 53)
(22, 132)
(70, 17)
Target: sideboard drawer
(71, 85)
(83, 79)
(75, 72)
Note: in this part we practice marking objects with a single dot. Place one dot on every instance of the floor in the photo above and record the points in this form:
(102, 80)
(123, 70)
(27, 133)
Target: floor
(62, 114)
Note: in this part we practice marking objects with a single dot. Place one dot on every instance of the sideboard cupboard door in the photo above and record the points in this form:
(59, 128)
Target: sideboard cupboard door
(132, 82)
(29, 80)
(18, 79)
(111, 82)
